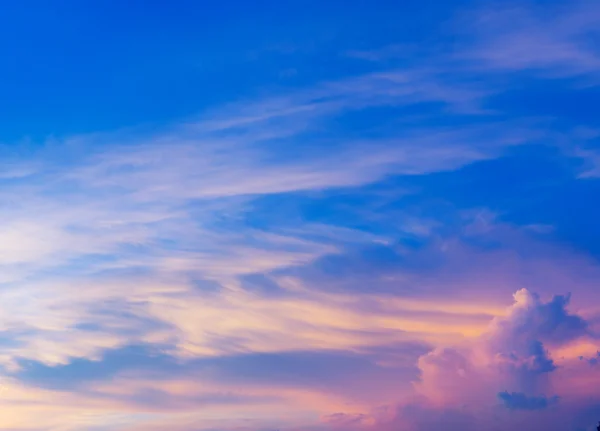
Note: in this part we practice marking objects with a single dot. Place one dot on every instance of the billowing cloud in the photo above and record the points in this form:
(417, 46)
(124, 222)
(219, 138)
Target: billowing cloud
(499, 379)
(510, 360)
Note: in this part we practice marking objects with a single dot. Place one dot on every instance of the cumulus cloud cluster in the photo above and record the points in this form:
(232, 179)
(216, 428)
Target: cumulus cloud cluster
(502, 376)
(510, 361)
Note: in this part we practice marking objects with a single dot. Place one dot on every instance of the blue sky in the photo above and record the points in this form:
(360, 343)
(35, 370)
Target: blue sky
(85, 67)
(299, 216)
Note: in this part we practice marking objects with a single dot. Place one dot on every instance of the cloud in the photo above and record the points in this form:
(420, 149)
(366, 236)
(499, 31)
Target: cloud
(139, 219)
(503, 379)
(459, 384)
(553, 41)
(511, 357)
(323, 371)
(557, 44)
(548, 322)
(520, 401)
(594, 360)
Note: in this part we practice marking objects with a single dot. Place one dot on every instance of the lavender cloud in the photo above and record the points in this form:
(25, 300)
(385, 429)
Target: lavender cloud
(503, 379)
(511, 357)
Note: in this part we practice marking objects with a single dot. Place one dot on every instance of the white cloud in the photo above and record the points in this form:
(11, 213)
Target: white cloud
(172, 204)
(555, 41)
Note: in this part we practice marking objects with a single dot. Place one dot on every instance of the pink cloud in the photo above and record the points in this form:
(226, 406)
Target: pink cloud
(511, 356)
(508, 378)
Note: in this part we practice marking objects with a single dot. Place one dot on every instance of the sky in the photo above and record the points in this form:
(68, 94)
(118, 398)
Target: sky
(299, 216)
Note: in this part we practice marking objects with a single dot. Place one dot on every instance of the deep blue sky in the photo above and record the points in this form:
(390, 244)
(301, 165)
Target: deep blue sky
(74, 66)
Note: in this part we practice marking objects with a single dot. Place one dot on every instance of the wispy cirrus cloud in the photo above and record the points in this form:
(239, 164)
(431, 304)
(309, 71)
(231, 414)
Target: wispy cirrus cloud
(172, 203)
(557, 42)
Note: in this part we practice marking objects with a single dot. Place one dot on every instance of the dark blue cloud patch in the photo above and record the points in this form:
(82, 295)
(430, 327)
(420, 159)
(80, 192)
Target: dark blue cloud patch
(79, 371)
(369, 268)
(119, 317)
(520, 401)
(325, 370)
(555, 324)
(262, 284)
(593, 361)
